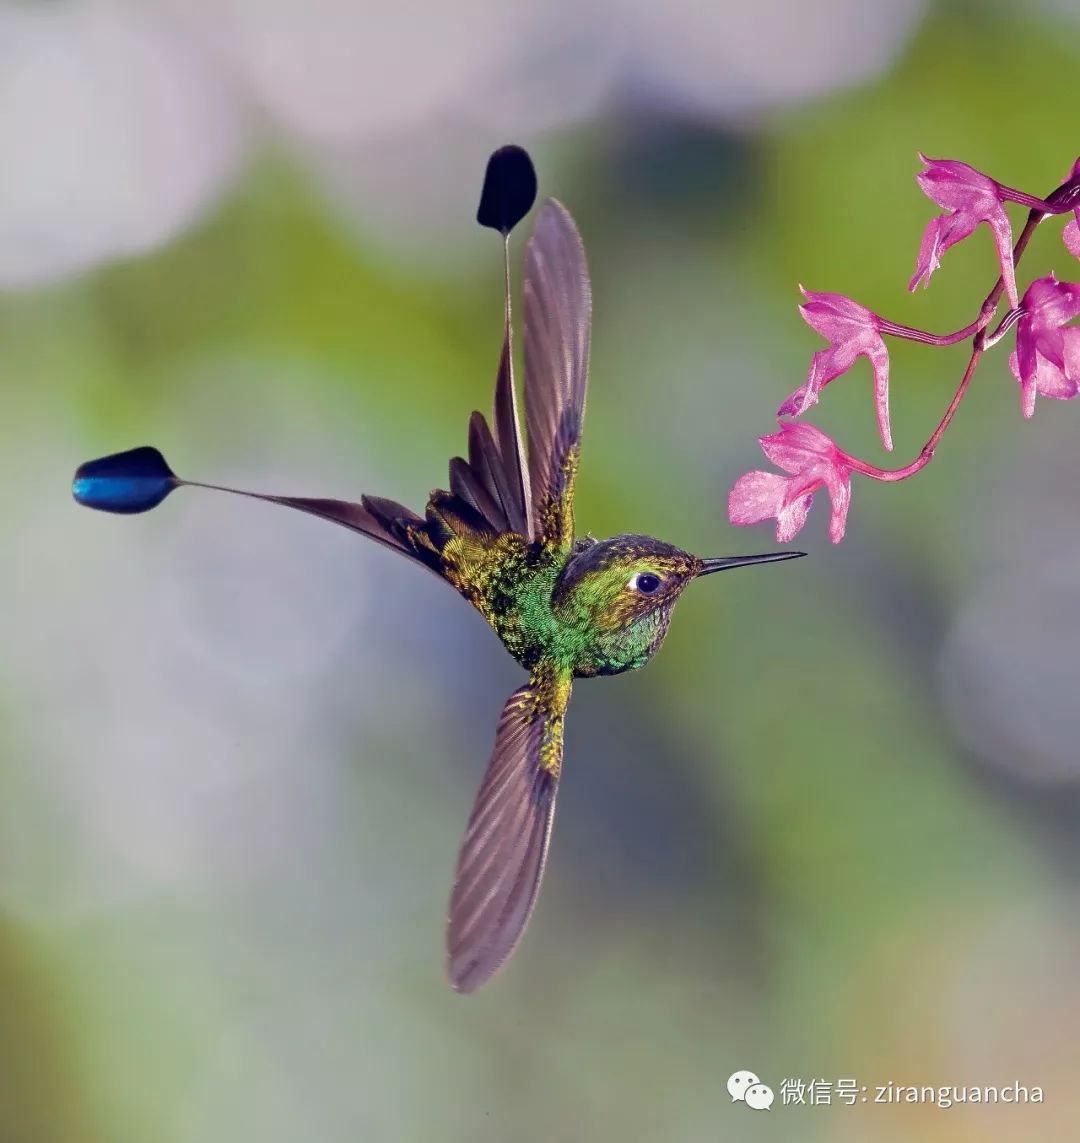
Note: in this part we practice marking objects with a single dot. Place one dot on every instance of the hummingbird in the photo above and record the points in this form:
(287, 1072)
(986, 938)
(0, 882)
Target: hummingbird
(503, 536)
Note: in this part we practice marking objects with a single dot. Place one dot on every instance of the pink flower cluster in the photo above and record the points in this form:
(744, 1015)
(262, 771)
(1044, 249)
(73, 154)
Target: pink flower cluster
(1045, 362)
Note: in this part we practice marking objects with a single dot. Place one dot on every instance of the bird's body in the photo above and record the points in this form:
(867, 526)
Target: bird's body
(566, 610)
(503, 536)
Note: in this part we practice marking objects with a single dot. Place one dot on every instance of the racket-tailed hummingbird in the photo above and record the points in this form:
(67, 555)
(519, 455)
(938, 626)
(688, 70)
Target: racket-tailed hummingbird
(503, 536)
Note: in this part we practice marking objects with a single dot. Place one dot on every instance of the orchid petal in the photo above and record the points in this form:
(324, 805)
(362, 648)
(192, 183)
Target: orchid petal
(814, 461)
(971, 198)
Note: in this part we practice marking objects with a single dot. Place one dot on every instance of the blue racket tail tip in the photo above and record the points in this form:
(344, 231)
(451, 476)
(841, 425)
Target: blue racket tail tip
(126, 482)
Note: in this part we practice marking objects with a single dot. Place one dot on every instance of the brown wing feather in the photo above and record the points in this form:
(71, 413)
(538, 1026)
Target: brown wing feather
(558, 317)
(466, 484)
(492, 480)
(502, 856)
(488, 471)
(508, 432)
(381, 520)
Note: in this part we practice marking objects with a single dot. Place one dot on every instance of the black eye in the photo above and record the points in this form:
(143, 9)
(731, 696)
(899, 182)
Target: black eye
(646, 582)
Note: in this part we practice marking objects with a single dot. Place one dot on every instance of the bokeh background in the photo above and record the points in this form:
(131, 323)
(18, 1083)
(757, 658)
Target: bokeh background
(832, 832)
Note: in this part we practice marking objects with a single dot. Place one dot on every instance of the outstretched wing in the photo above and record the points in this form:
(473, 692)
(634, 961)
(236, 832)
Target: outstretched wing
(502, 855)
(558, 318)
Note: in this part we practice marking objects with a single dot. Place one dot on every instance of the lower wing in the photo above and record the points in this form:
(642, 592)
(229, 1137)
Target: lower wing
(502, 856)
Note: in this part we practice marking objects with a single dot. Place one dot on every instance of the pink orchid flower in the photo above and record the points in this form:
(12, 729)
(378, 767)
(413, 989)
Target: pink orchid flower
(1046, 360)
(814, 461)
(971, 198)
(852, 332)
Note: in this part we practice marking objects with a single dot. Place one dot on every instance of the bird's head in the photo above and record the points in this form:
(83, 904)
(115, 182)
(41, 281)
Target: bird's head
(614, 583)
(628, 586)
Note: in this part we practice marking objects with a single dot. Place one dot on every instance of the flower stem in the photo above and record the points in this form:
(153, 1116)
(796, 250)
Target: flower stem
(980, 343)
(1065, 197)
(926, 338)
(1003, 327)
(926, 454)
(1010, 194)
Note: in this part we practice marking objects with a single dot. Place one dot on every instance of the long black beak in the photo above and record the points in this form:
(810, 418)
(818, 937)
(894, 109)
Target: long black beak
(725, 563)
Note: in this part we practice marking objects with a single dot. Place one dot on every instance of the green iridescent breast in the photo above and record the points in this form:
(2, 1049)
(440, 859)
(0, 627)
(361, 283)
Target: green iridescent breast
(611, 652)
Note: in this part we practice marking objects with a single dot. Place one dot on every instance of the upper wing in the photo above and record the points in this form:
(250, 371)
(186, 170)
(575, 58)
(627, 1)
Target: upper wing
(505, 846)
(558, 317)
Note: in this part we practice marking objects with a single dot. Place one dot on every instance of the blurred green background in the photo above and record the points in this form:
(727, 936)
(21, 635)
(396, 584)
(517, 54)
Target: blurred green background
(830, 833)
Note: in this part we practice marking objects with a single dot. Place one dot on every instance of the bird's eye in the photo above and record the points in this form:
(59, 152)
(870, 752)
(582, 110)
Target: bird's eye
(645, 582)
